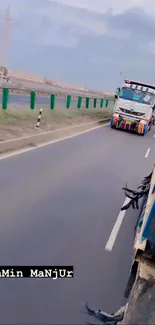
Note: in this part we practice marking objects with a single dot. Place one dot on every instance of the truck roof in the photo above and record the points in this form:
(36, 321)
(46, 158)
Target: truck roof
(139, 83)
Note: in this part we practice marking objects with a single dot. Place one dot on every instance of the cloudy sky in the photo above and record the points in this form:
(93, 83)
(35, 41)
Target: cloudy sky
(83, 41)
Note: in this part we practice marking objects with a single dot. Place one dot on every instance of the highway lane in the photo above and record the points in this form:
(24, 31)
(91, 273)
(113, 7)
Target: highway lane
(39, 87)
(24, 99)
(58, 205)
(47, 88)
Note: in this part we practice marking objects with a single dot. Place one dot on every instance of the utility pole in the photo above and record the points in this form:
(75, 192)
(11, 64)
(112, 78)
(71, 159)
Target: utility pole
(5, 39)
(121, 76)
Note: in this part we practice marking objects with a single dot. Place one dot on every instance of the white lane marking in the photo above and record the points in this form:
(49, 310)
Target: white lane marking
(154, 135)
(54, 131)
(18, 152)
(147, 152)
(116, 228)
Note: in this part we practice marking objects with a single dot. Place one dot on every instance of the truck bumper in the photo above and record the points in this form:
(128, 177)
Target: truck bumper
(121, 122)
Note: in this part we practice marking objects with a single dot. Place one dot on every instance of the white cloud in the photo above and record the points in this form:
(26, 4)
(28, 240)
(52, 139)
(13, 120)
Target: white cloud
(62, 40)
(84, 23)
(116, 6)
(148, 48)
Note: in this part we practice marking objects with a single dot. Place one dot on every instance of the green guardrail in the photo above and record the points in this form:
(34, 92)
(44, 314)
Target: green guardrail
(96, 101)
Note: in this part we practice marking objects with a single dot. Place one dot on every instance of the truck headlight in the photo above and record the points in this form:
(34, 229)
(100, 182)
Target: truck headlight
(143, 122)
(116, 115)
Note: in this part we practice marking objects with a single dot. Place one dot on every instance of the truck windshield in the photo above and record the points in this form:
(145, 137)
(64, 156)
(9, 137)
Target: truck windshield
(137, 96)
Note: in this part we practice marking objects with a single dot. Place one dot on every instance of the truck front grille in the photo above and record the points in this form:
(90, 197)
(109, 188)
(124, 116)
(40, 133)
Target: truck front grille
(126, 117)
(128, 111)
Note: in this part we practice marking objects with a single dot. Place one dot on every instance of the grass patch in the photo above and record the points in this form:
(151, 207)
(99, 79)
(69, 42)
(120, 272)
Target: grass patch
(17, 112)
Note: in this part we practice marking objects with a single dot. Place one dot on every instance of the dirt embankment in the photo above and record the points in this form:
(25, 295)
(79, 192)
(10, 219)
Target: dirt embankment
(19, 120)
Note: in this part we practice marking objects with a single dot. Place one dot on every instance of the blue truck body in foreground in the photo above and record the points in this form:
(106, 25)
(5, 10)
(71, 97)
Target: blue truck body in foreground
(140, 289)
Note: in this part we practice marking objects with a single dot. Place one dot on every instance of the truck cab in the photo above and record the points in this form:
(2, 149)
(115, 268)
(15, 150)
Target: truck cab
(133, 109)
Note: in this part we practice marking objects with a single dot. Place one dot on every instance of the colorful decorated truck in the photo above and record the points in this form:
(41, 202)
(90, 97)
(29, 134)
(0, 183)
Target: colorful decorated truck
(133, 109)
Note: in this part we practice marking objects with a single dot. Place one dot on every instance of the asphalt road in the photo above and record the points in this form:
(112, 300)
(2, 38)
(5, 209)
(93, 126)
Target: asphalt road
(18, 83)
(22, 99)
(58, 205)
(47, 88)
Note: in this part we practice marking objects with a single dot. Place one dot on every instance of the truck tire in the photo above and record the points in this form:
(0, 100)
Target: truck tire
(111, 124)
(150, 125)
(145, 130)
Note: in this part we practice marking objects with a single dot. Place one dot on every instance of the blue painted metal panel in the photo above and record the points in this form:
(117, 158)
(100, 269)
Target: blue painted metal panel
(153, 191)
(149, 229)
(141, 213)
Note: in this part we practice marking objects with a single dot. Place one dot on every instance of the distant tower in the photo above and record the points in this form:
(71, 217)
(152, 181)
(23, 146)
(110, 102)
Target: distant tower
(5, 38)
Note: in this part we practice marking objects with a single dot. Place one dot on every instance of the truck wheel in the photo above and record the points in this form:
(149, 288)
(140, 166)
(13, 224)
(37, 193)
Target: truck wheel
(145, 130)
(111, 123)
(149, 128)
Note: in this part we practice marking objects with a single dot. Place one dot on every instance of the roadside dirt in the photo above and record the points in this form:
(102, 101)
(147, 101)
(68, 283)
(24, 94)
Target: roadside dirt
(19, 120)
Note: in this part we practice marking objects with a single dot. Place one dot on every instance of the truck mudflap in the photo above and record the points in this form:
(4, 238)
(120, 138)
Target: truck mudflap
(122, 122)
(140, 289)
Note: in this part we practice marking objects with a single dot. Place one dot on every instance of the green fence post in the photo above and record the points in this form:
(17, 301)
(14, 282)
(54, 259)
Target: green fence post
(52, 101)
(101, 103)
(87, 102)
(95, 102)
(68, 101)
(107, 103)
(79, 103)
(32, 99)
(5, 98)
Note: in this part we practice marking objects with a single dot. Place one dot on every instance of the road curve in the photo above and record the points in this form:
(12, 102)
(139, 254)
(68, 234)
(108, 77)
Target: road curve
(58, 205)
